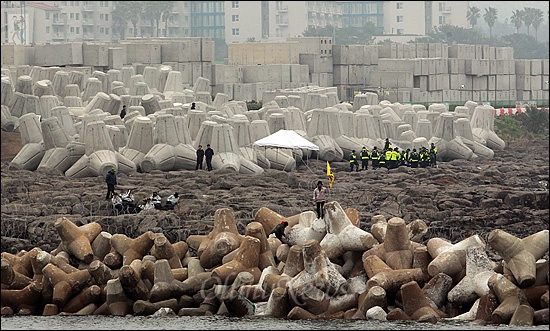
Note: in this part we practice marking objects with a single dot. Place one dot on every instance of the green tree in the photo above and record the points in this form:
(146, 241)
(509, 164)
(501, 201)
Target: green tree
(473, 15)
(346, 36)
(135, 9)
(525, 47)
(153, 12)
(452, 34)
(528, 18)
(490, 18)
(517, 18)
(120, 17)
(538, 18)
(166, 9)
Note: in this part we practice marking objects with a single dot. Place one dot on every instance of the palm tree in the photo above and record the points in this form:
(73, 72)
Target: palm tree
(120, 18)
(473, 15)
(490, 17)
(152, 13)
(135, 9)
(528, 18)
(538, 18)
(517, 18)
(165, 9)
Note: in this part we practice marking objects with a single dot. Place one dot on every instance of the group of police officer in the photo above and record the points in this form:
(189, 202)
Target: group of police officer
(391, 158)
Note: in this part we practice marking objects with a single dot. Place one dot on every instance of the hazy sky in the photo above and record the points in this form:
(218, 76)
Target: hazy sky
(505, 8)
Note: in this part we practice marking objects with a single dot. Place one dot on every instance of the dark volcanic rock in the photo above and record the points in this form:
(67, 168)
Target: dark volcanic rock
(458, 199)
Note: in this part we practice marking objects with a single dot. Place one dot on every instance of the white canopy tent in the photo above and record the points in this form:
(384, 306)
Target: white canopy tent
(286, 139)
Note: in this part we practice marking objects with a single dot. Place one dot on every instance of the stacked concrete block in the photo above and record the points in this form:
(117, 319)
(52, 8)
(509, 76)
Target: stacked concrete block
(58, 54)
(95, 54)
(142, 52)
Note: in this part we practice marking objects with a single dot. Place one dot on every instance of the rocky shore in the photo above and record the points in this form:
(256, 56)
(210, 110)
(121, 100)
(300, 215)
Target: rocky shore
(465, 241)
(456, 200)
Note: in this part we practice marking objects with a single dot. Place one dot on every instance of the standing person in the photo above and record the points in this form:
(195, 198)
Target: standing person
(364, 158)
(111, 181)
(123, 112)
(200, 156)
(22, 30)
(387, 144)
(433, 153)
(414, 158)
(193, 107)
(375, 157)
(353, 161)
(16, 29)
(320, 195)
(209, 152)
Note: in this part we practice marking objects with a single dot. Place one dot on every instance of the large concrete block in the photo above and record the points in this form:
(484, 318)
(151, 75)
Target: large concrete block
(536, 66)
(142, 52)
(476, 67)
(341, 74)
(388, 50)
(457, 81)
(115, 57)
(536, 82)
(425, 66)
(208, 53)
(422, 50)
(95, 54)
(502, 82)
(545, 67)
(523, 82)
(523, 67)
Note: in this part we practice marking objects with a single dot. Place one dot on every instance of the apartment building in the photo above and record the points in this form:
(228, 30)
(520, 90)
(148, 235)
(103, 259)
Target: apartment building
(404, 17)
(232, 21)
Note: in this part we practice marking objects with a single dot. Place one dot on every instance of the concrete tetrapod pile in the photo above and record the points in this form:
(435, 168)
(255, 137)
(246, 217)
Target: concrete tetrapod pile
(337, 128)
(329, 269)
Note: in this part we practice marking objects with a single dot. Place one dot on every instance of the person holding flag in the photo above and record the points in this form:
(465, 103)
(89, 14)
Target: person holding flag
(330, 175)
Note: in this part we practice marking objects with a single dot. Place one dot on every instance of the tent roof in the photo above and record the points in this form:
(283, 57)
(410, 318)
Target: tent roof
(286, 139)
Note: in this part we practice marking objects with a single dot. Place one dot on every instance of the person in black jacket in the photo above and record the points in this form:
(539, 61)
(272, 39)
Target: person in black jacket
(110, 179)
(123, 112)
(209, 152)
(279, 230)
(200, 156)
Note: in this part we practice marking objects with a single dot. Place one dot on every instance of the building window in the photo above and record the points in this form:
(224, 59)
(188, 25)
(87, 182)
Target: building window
(101, 16)
(76, 3)
(234, 4)
(107, 31)
(234, 18)
(399, 18)
(441, 20)
(72, 29)
(48, 29)
(235, 32)
(442, 6)
(77, 30)
(77, 16)
(106, 17)
(102, 30)
(399, 5)
(71, 16)
(72, 4)
(48, 16)
(399, 31)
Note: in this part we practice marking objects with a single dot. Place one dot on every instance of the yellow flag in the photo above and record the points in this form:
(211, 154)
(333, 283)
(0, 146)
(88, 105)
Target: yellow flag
(330, 175)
